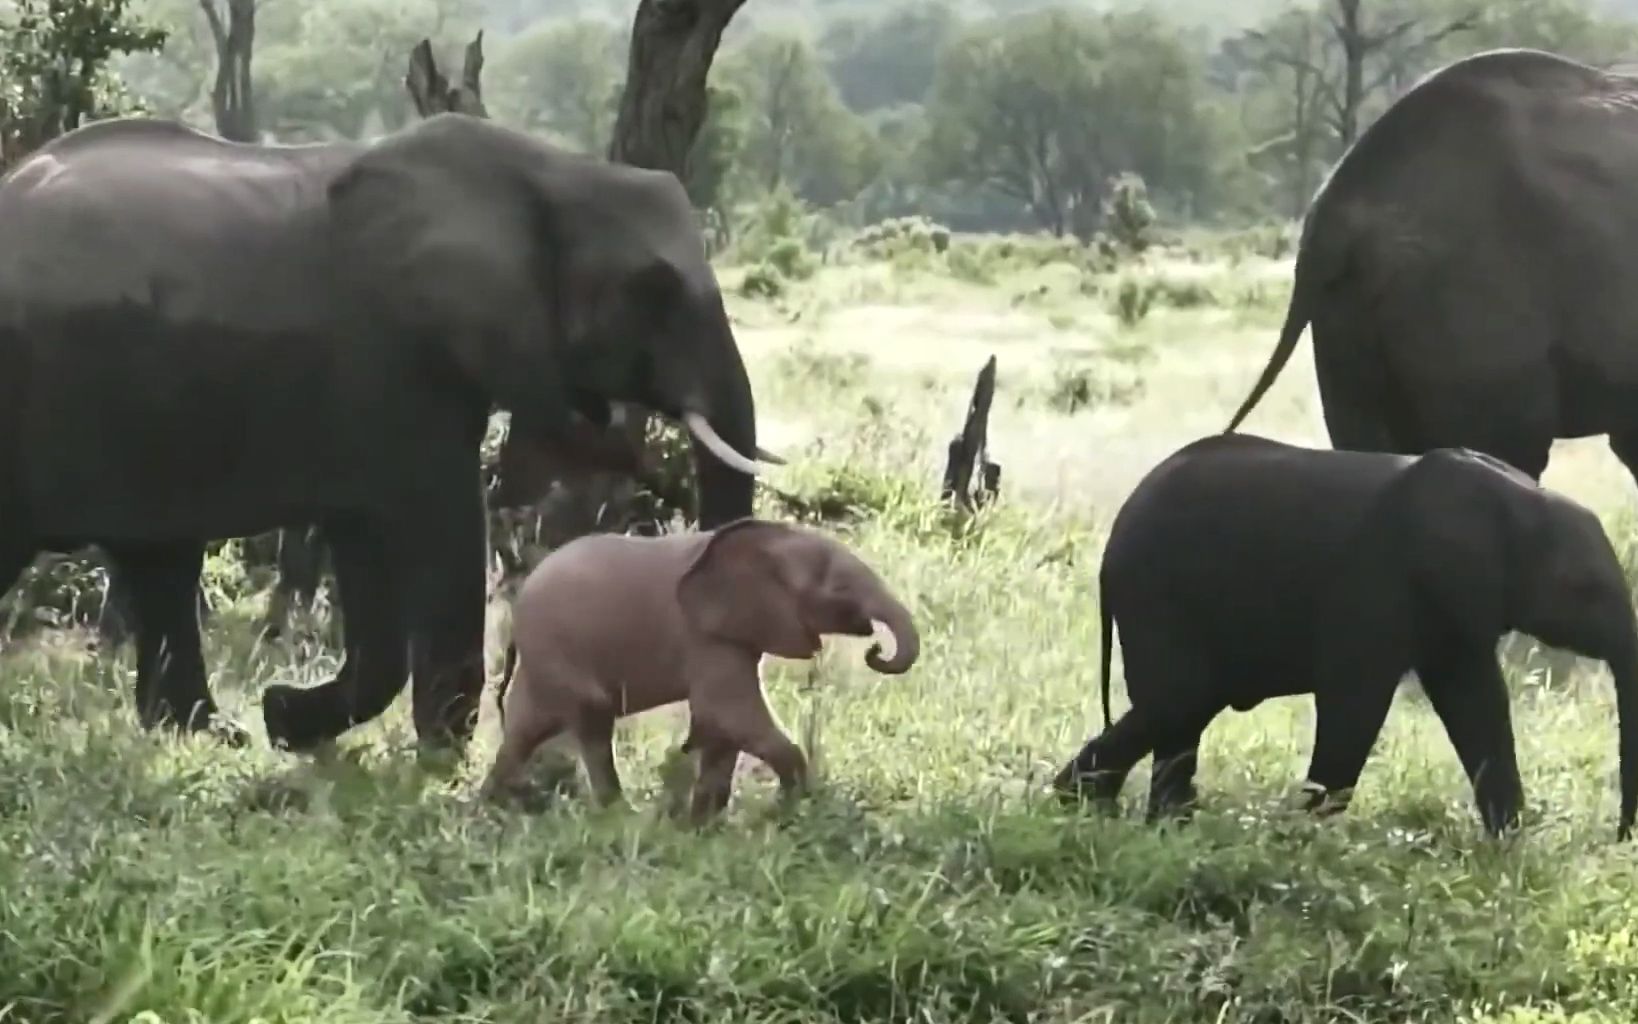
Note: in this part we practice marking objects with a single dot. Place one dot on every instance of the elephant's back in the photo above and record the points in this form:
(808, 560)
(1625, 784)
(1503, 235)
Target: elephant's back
(1241, 500)
(153, 216)
(601, 601)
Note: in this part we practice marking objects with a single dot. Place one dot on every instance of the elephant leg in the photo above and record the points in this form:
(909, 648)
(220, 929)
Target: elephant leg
(448, 585)
(1468, 693)
(376, 663)
(742, 718)
(1624, 444)
(297, 563)
(1171, 779)
(526, 729)
(1347, 721)
(594, 734)
(1100, 768)
(171, 690)
(1344, 369)
(715, 783)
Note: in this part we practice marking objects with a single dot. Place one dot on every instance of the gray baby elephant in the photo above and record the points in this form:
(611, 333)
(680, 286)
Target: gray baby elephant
(610, 625)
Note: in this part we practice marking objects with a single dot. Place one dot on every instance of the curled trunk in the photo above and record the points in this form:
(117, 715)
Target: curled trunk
(906, 639)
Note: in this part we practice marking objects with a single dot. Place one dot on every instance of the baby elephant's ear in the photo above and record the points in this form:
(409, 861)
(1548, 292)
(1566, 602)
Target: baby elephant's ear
(736, 590)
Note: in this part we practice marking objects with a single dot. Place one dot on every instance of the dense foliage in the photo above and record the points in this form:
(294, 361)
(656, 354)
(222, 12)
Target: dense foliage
(982, 114)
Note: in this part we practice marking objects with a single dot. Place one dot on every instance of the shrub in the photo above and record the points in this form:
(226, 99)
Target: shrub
(1133, 298)
(1076, 384)
(1127, 213)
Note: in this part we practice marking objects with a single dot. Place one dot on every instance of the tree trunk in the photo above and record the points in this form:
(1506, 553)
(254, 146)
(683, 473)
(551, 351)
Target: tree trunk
(232, 98)
(1354, 48)
(432, 93)
(673, 43)
(969, 449)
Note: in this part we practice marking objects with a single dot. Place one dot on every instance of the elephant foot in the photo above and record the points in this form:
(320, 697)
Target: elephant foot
(1076, 789)
(301, 720)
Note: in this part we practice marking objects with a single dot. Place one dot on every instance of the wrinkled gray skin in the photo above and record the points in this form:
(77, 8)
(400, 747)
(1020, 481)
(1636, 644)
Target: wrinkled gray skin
(1242, 569)
(1469, 267)
(200, 339)
(608, 626)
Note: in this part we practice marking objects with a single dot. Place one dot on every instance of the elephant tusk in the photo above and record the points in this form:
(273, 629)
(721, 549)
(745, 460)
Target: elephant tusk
(769, 457)
(701, 429)
(885, 638)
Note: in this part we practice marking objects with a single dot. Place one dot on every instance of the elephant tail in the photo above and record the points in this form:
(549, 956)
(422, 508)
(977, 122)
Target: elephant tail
(1105, 626)
(506, 681)
(1296, 318)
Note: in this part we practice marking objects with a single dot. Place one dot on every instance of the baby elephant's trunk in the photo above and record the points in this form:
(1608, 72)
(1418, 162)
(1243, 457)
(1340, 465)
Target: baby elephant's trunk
(906, 641)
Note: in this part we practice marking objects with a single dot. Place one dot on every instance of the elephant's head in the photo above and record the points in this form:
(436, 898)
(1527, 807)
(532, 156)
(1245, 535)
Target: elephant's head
(545, 282)
(1463, 548)
(778, 589)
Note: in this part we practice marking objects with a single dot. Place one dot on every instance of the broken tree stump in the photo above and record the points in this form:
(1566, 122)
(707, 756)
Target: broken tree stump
(969, 450)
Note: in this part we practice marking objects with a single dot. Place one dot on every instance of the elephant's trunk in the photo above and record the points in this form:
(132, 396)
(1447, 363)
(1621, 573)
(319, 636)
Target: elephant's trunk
(906, 640)
(1624, 668)
(726, 410)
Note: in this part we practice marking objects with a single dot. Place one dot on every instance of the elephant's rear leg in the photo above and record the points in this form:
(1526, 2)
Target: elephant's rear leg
(1380, 392)
(527, 725)
(1176, 757)
(1099, 770)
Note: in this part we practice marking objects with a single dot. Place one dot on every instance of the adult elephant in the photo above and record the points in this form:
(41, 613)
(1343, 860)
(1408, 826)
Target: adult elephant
(1469, 269)
(202, 339)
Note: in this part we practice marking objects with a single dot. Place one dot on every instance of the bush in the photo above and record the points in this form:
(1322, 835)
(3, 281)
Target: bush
(1127, 214)
(891, 238)
(1132, 299)
(777, 237)
(1077, 385)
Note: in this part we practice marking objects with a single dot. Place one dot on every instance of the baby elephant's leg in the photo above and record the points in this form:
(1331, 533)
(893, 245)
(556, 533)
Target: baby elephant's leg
(715, 783)
(528, 724)
(714, 776)
(594, 733)
(733, 710)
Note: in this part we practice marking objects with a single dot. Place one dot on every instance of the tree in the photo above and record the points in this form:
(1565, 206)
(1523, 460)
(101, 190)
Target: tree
(562, 78)
(54, 67)
(1045, 108)
(1342, 56)
(1287, 58)
(889, 59)
(797, 132)
(432, 93)
(662, 107)
(232, 97)
(339, 71)
(662, 110)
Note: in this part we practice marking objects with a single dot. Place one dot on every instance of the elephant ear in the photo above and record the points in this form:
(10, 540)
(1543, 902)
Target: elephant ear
(737, 589)
(1468, 518)
(441, 236)
(1365, 635)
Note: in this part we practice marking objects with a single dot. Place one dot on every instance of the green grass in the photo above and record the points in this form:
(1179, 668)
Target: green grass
(928, 879)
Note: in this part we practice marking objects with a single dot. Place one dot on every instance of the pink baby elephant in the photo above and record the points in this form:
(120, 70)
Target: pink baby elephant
(609, 625)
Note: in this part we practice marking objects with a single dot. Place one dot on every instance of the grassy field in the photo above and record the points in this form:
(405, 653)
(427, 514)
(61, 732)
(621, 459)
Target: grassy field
(927, 879)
